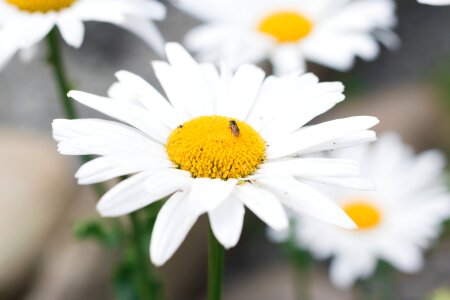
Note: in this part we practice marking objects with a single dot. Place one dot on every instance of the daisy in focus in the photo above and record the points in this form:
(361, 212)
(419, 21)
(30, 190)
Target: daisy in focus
(395, 223)
(290, 32)
(435, 2)
(218, 142)
(24, 23)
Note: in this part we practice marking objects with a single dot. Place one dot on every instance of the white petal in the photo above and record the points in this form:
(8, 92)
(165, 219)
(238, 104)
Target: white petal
(172, 225)
(101, 137)
(347, 267)
(356, 183)
(403, 256)
(72, 29)
(141, 190)
(150, 98)
(227, 221)
(6, 53)
(213, 80)
(306, 104)
(362, 137)
(304, 199)
(27, 55)
(312, 167)
(121, 92)
(109, 167)
(346, 47)
(277, 94)
(166, 78)
(319, 134)
(125, 112)
(287, 59)
(147, 31)
(207, 194)
(242, 92)
(264, 205)
(98, 11)
(35, 29)
(190, 80)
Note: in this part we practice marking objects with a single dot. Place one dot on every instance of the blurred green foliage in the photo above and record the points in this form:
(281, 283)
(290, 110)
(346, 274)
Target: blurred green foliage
(98, 231)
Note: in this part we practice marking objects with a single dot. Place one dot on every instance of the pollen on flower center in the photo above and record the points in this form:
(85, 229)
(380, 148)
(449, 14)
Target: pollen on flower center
(216, 147)
(363, 213)
(286, 26)
(41, 5)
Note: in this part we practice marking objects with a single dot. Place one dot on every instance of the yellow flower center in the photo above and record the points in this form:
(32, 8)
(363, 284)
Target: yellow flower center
(216, 147)
(363, 213)
(41, 5)
(286, 26)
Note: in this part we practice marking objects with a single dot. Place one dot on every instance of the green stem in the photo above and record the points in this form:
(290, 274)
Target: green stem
(142, 279)
(302, 264)
(303, 279)
(55, 60)
(386, 281)
(216, 258)
(380, 286)
(146, 281)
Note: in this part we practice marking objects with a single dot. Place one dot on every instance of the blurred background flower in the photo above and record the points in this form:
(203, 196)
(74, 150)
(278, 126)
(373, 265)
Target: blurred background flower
(289, 33)
(399, 220)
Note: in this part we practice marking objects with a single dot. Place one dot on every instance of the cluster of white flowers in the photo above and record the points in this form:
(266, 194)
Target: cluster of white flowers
(220, 140)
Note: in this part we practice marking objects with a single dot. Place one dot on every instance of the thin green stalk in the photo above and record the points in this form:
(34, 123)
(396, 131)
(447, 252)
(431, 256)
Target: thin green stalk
(380, 286)
(386, 281)
(216, 258)
(302, 265)
(55, 60)
(143, 278)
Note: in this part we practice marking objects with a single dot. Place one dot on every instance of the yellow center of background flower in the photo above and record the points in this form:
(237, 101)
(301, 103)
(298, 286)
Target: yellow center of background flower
(216, 147)
(41, 5)
(286, 26)
(363, 213)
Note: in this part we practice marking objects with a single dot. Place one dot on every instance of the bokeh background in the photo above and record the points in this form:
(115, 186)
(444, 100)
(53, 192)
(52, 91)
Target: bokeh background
(41, 259)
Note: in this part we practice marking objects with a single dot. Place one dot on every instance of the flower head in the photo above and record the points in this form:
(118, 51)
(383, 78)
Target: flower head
(395, 222)
(24, 23)
(289, 32)
(221, 142)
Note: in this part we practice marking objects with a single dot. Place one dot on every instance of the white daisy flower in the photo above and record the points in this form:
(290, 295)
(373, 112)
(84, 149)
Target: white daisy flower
(288, 32)
(396, 222)
(221, 142)
(435, 2)
(23, 23)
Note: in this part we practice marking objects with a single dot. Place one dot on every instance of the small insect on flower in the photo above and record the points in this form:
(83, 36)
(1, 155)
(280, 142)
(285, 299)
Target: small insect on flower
(234, 128)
